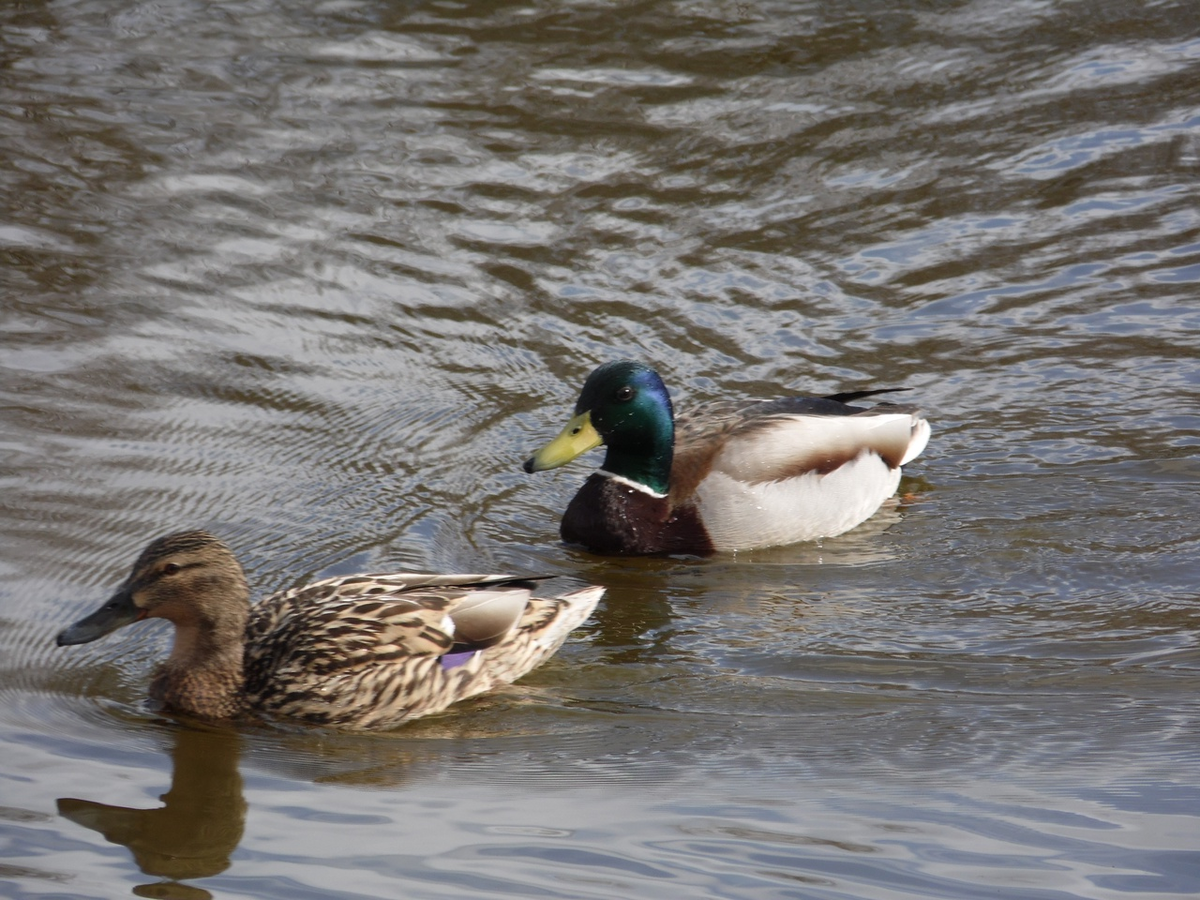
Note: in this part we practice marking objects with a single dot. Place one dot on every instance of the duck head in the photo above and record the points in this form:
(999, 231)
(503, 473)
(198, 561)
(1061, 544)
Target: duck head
(190, 578)
(625, 406)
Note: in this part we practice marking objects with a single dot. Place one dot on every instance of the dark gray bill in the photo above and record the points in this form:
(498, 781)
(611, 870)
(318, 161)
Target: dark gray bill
(118, 611)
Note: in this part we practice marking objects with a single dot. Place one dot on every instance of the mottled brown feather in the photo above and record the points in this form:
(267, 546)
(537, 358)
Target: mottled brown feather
(363, 651)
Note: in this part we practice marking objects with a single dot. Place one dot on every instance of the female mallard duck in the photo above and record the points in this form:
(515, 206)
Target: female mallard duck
(362, 651)
(729, 476)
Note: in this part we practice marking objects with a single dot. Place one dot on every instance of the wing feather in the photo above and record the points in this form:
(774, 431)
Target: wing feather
(339, 626)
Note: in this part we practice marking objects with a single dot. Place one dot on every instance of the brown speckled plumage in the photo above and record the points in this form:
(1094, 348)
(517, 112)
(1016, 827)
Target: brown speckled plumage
(357, 652)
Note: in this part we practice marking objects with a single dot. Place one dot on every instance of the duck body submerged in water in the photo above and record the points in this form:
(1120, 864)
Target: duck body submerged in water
(729, 475)
(357, 652)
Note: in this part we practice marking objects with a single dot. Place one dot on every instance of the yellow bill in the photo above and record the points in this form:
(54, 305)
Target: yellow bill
(578, 437)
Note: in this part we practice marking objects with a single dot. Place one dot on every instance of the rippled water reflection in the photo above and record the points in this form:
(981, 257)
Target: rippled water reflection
(320, 279)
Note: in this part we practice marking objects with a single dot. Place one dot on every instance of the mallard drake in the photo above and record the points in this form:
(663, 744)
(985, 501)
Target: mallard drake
(358, 652)
(730, 475)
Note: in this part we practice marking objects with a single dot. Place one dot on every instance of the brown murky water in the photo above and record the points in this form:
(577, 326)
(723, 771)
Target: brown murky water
(319, 276)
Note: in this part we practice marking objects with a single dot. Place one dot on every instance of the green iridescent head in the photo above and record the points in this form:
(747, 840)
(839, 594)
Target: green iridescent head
(625, 406)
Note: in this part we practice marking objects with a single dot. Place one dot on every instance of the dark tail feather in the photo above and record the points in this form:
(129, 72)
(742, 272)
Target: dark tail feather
(851, 396)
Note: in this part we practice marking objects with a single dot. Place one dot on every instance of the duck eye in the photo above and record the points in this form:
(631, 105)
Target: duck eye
(623, 393)
(170, 569)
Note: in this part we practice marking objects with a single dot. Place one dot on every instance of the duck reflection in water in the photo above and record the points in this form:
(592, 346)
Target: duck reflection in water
(195, 831)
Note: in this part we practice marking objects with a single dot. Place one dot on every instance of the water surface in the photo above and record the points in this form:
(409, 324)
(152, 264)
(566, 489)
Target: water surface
(320, 279)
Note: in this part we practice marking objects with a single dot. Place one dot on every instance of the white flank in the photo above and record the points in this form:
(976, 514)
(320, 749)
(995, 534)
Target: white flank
(746, 503)
(741, 516)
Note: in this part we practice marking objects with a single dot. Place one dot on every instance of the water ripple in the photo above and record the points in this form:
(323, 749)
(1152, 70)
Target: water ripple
(320, 279)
